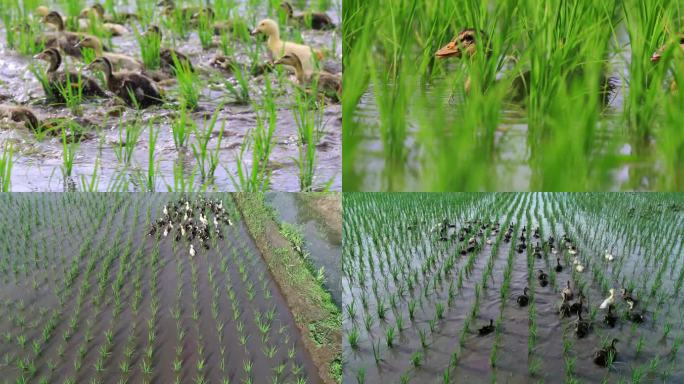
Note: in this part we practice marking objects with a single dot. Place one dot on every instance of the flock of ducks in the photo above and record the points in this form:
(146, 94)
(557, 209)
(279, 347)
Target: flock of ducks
(474, 231)
(465, 45)
(190, 220)
(127, 78)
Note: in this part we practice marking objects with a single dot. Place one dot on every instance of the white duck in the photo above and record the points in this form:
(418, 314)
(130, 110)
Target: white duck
(192, 251)
(609, 256)
(610, 300)
(166, 211)
(280, 48)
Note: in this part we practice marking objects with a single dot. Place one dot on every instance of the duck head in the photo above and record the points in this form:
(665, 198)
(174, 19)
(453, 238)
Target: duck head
(90, 42)
(100, 64)
(287, 8)
(657, 55)
(290, 59)
(55, 19)
(52, 56)
(267, 26)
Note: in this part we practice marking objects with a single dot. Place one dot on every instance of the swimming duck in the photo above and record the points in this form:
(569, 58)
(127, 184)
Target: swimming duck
(559, 267)
(314, 20)
(635, 316)
(567, 292)
(609, 300)
(328, 84)
(63, 39)
(609, 256)
(627, 296)
(579, 267)
(606, 354)
(19, 115)
(279, 48)
(136, 89)
(610, 318)
(523, 299)
(582, 326)
(487, 329)
(118, 60)
(543, 278)
(577, 307)
(564, 308)
(58, 81)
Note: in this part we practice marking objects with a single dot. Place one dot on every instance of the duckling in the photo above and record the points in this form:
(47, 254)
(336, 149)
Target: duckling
(487, 329)
(564, 309)
(559, 267)
(169, 9)
(63, 39)
(326, 83)
(192, 251)
(609, 300)
(543, 278)
(523, 299)
(582, 326)
(58, 81)
(579, 267)
(606, 354)
(634, 316)
(610, 318)
(167, 55)
(134, 88)
(19, 115)
(119, 18)
(314, 20)
(279, 48)
(609, 256)
(567, 292)
(118, 60)
(97, 12)
(578, 306)
(626, 296)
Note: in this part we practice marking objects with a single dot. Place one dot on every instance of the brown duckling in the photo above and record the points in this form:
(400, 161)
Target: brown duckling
(226, 64)
(118, 60)
(328, 84)
(313, 20)
(58, 81)
(487, 329)
(610, 318)
(167, 55)
(169, 9)
(606, 354)
(465, 45)
(581, 327)
(62, 38)
(523, 299)
(136, 89)
(19, 115)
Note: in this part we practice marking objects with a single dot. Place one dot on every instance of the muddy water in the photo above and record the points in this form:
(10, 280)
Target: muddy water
(132, 252)
(322, 243)
(38, 163)
(472, 364)
(513, 151)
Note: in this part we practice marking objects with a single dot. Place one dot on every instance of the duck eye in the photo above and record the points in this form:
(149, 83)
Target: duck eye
(468, 38)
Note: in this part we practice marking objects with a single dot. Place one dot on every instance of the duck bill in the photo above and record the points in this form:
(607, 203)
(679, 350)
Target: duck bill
(449, 50)
(40, 56)
(254, 32)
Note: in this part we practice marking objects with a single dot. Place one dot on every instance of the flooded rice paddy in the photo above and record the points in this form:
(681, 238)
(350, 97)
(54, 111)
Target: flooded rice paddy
(424, 274)
(117, 151)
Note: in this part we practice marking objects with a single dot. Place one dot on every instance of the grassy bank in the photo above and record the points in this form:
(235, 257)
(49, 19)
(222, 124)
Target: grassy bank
(317, 317)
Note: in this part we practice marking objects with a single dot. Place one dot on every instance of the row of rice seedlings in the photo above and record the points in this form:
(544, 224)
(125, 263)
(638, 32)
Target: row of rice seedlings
(207, 161)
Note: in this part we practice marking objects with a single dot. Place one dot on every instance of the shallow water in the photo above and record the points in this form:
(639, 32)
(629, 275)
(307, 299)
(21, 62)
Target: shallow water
(322, 243)
(38, 163)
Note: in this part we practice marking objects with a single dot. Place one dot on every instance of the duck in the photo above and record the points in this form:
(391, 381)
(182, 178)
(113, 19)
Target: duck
(564, 309)
(314, 20)
(65, 40)
(523, 299)
(543, 278)
(487, 329)
(136, 89)
(326, 83)
(187, 13)
(609, 300)
(606, 354)
(609, 256)
(627, 296)
(167, 55)
(97, 12)
(635, 316)
(578, 266)
(572, 250)
(609, 319)
(19, 114)
(192, 251)
(567, 292)
(582, 326)
(119, 61)
(58, 81)
(279, 48)
(118, 18)
(577, 307)
(559, 267)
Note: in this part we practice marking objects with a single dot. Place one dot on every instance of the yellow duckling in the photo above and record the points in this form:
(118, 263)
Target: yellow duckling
(279, 48)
